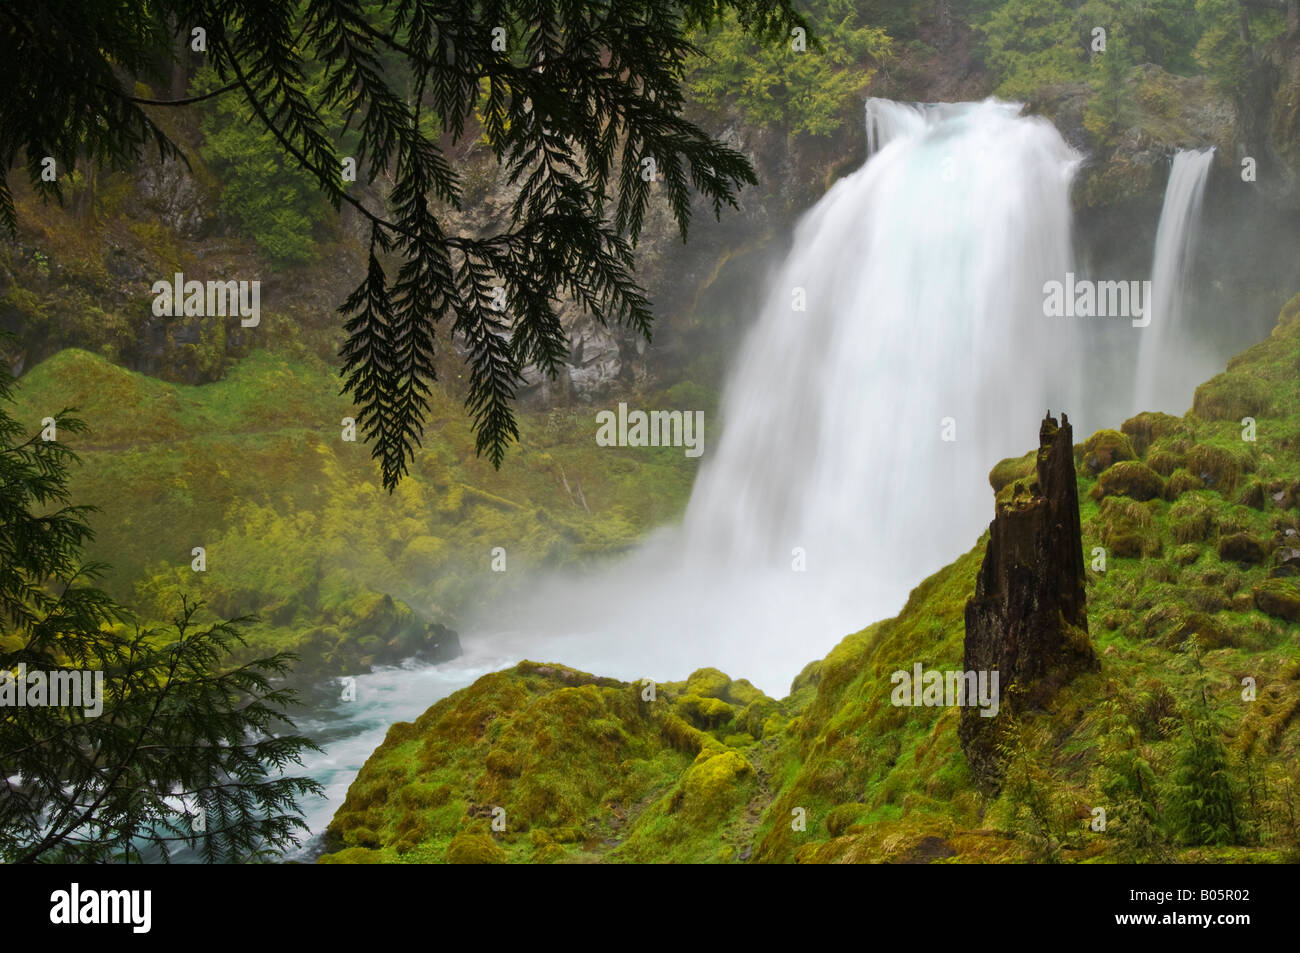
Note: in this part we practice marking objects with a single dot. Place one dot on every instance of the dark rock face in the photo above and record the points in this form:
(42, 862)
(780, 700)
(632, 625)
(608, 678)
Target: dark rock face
(1028, 618)
(389, 633)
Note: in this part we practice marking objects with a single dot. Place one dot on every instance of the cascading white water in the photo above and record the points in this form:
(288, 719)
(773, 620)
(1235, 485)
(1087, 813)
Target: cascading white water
(923, 274)
(923, 277)
(1169, 364)
(833, 489)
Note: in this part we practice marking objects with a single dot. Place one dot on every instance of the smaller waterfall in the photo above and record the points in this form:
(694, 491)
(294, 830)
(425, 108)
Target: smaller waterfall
(1168, 366)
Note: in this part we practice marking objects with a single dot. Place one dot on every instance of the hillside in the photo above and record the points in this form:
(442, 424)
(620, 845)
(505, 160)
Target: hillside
(255, 468)
(1186, 739)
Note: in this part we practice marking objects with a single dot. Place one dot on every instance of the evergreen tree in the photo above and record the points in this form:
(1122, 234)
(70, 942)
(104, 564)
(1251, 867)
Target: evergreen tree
(1128, 782)
(171, 749)
(1203, 793)
(580, 101)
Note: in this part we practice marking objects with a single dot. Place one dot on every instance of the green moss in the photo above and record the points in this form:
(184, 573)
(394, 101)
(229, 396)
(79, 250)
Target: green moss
(1011, 469)
(706, 713)
(1104, 448)
(843, 816)
(1146, 428)
(1218, 468)
(1279, 598)
(1128, 529)
(168, 471)
(474, 849)
(1241, 548)
(353, 855)
(1130, 478)
(1180, 482)
(1166, 462)
(709, 683)
(713, 786)
(1191, 518)
(1232, 396)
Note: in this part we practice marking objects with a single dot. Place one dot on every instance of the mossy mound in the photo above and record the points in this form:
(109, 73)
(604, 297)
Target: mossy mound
(1145, 428)
(1279, 598)
(1182, 481)
(543, 763)
(474, 849)
(1241, 548)
(1104, 448)
(1166, 462)
(1191, 519)
(1010, 470)
(1132, 478)
(1217, 467)
(1128, 529)
(1233, 397)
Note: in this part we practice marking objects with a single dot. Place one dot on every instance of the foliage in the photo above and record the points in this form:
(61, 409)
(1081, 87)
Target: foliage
(1129, 784)
(1033, 43)
(1109, 108)
(1033, 799)
(810, 91)
(1029, 44)
(176, 734)
(38, 117)
(574, 99)
(1228, 45)
(299, 530)
(1203, 794)
(274, 202)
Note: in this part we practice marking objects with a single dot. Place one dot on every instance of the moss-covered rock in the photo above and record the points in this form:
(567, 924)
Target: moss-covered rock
(1241, 548)
(708, 683)
(1104, 448)
(707, 713)
(1165, 462)
(1279, 598)
(1191, 519)
(1131, 478)
(1232, 396)
(1128, 529)
(1218, 468)
(1146, 428)
(1009, 470)
(469, 848)
(843, 816)
(1180, 482)
(713, 785)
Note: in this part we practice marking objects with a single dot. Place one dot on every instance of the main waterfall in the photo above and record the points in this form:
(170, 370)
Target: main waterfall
(903, 350)
(922, 274)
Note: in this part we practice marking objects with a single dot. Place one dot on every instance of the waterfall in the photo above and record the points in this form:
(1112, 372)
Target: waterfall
(1169, 367)
(901, 352)
(922, 277)
(832, 491)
